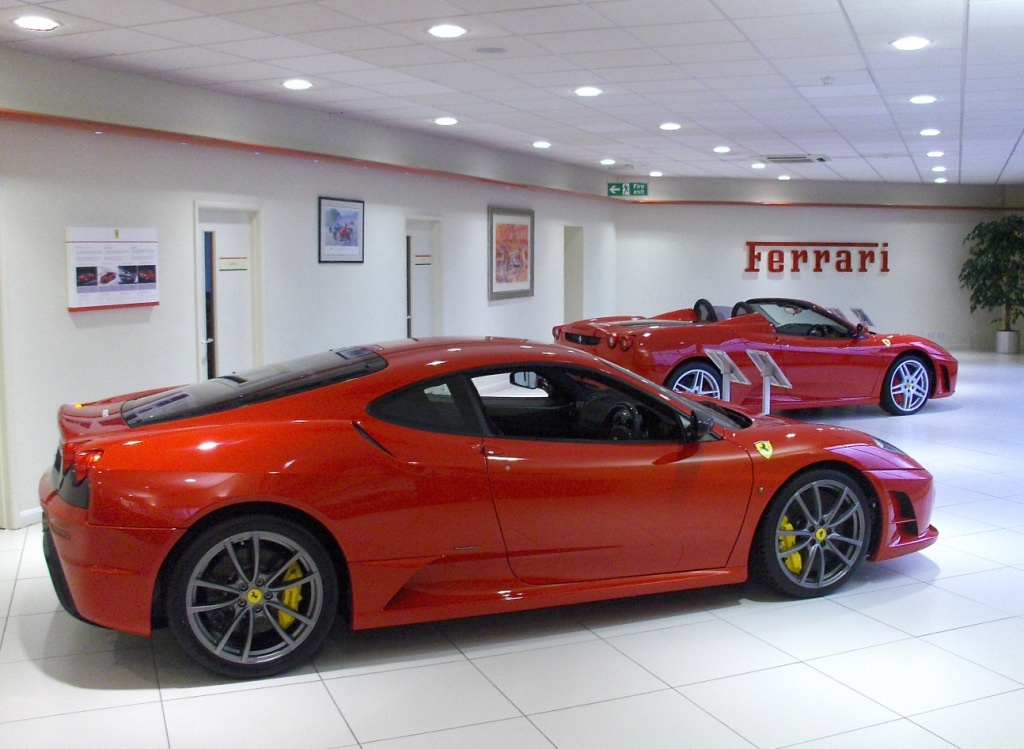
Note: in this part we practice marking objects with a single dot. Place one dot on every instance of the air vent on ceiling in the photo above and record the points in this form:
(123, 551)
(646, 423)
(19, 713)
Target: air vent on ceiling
(795, 159)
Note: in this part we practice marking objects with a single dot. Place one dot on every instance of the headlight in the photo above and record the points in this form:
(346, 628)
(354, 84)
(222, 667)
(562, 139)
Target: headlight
(889, 446)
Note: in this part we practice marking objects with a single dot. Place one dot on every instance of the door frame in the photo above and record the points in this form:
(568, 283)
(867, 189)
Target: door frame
(255, 278)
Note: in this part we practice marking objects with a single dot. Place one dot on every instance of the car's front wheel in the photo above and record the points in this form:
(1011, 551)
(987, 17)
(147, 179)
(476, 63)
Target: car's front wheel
(252, 596)
(814, 534)
(697, 378)
(907, 386)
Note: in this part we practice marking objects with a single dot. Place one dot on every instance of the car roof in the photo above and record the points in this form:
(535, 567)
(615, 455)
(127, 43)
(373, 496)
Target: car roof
(420, 358)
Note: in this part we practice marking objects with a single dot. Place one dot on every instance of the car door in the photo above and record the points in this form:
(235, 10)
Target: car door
(588, 506)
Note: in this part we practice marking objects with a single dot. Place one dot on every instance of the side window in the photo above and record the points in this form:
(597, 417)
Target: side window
(564, 403)
(430, 406)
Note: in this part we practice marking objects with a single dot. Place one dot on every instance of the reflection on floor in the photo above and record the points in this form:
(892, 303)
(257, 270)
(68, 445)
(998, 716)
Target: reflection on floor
(925, 651)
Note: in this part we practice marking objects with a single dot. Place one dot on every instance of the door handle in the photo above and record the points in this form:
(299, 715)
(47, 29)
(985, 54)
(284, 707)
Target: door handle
(207, 341)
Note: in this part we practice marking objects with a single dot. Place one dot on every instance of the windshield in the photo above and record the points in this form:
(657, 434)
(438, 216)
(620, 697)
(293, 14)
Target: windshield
(797, 319)
(252, 386)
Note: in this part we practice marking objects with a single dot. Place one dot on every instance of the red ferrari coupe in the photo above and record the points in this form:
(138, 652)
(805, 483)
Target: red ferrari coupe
(416, 481)
(828, 361)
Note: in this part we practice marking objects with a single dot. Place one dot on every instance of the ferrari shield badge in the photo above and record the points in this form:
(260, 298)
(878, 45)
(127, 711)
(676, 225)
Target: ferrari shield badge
(886, 342)
(765, 448)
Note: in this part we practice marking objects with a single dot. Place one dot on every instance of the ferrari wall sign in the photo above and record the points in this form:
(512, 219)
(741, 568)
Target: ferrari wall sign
(817, 257)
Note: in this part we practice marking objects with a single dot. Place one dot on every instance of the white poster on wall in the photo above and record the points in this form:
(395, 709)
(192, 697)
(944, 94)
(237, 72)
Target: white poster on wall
(111, 268)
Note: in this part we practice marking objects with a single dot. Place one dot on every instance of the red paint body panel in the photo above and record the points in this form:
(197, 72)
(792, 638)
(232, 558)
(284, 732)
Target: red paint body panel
(428, 525)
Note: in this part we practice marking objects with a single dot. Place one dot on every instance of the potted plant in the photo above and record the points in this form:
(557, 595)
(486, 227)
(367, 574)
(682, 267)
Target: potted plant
(994, 273)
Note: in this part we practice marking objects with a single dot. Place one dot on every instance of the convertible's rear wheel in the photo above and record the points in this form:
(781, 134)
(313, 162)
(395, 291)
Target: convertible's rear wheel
(696, 377)
(252, 596)
(908, 383)
(814, 535)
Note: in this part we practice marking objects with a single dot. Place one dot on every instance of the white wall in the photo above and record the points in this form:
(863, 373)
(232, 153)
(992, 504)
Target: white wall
(669, 256)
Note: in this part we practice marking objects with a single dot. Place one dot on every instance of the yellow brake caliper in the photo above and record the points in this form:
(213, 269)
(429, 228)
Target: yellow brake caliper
(794, 562)
(290, 597)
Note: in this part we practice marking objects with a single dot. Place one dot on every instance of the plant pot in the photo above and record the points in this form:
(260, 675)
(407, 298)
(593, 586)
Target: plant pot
(1007, 341)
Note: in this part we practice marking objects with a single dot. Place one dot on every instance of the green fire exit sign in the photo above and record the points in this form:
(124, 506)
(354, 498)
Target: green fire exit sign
(616, 189)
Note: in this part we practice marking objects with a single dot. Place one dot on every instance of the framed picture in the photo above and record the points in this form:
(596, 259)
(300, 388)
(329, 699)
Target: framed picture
(341, 230)
(510, 259)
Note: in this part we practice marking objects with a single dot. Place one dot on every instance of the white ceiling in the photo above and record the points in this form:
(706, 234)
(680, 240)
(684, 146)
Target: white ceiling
(767, 78)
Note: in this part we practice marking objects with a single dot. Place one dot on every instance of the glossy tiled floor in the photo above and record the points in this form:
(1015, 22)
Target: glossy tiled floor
(926, 651)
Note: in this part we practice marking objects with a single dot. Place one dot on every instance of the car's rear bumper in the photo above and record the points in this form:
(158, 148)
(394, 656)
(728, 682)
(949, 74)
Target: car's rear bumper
(102, 575)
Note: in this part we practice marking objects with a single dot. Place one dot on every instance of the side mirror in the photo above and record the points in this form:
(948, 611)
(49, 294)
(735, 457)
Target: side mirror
(528, 380)
(861, 331)
(700, 427)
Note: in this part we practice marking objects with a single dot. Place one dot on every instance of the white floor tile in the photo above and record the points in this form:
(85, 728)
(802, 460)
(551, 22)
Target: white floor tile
(494, 635)
(566, 676)
(786, 705)
(411, 701)
(1001, 589)
(913, 676)
(140, 726)
(627, 615)
(818, 628)
(9, 561)
(1002, 546)
(920, 609)
(903, 734)
(54, 686)
(659, 720)
(701, 651)
(293, 715)
(939, 561)
(349, 653)
(36, 636)
(994, 722)
(517, 733)
(998, 646)
(6, 596)
(34, 595)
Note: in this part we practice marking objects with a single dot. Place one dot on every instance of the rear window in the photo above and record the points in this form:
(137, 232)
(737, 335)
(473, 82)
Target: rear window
(252, 386)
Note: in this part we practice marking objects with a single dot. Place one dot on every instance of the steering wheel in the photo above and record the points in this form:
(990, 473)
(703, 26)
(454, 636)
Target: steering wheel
(623, 422)
(818, 331)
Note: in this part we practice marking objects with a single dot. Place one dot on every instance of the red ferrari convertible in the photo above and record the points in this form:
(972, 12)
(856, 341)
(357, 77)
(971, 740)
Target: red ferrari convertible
(828, 361)
(416, 481)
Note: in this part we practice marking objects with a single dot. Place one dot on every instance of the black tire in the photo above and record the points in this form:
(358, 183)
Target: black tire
(907, 386)
(696, 377)
(814, 534)
(252, 596)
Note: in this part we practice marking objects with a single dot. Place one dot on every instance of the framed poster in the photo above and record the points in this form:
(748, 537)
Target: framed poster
(111, 268)
(341, 230)
(510, 258)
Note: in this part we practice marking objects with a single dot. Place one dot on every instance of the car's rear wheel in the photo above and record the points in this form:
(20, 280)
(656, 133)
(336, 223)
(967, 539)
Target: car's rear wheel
(697, 378)
(907, 386)
(814, 535)
(252, 596)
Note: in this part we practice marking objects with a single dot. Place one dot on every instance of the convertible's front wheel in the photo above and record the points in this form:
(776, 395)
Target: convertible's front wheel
(908, 383)
(252, 596)
(814, 535)
(697, 378)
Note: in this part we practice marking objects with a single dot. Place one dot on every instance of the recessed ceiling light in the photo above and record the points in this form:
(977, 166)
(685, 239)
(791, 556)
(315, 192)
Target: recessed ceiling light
(446, 121)
(941, 181)
(785, 177)
(722, 149)
(588, 91)
(938, 168)
(670, 126)
(758, 165)
(446, 31)
(541, 144)
(607, 162)
(36, 23)
(297, 84)
(935, 154)
(923, 99)
(911, 43)
(656, 173)
(930, 131)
